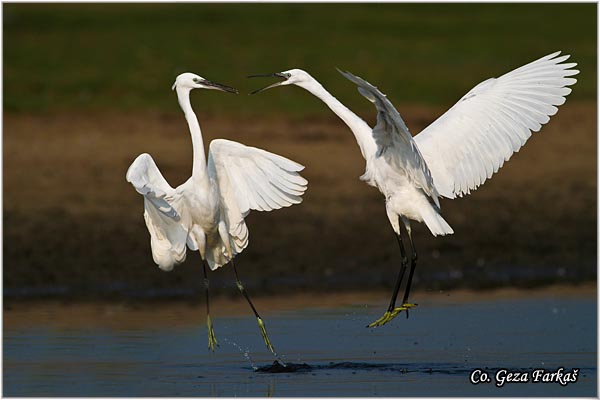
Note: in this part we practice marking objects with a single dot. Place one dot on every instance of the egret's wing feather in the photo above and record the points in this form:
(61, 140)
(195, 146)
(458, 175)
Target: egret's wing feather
(473, 139)
(161, 202)
(252, 179)
(393, 139)
(145, 177)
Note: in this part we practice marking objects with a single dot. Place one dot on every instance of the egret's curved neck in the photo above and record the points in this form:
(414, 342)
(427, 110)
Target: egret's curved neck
(199, 164)
(361, 130)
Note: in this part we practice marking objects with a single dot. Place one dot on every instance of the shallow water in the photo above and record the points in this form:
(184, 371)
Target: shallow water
(328, 352)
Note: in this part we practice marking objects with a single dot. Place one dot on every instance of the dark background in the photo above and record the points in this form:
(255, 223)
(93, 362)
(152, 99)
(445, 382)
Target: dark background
(87, 89)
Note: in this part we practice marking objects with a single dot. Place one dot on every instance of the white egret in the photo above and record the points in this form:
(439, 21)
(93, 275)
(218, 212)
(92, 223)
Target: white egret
(455, 154)
(206, 213)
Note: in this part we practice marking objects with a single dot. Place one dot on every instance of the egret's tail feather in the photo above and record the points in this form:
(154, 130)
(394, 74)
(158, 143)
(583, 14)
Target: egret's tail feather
(216, 257)
(436, 223)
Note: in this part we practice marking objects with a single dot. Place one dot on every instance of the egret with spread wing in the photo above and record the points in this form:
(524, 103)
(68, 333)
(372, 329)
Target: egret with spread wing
(451, 157)
(206, 213)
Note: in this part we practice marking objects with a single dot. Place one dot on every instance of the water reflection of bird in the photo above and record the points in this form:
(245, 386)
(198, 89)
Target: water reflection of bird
(206, 213)
(451, 157)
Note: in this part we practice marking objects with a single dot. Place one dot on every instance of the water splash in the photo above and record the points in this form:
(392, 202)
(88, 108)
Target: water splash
(278, 359)
(277, 368)
(452, 369)
(246, 353)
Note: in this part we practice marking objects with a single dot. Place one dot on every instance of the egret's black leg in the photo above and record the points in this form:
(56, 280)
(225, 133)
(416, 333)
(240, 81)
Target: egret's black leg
(392, 310)
(400, 274)
(261, 324)
(212, 340)
(413, 265)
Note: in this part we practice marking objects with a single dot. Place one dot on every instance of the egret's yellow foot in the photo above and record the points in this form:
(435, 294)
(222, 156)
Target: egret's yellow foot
(387, 317)
(408, 306)
(263, 331)
(212, 339)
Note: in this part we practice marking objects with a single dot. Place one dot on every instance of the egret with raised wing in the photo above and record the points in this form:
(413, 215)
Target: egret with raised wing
(206, 213)
(451, 157)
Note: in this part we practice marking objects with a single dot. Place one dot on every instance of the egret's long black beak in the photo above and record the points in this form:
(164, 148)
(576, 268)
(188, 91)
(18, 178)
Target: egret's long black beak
(218, 86)
(275, 75)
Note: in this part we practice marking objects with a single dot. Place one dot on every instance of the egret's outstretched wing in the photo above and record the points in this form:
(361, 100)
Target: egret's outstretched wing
(147, 180)
(168, 235)
(473, 139)
(393, 139)
(250, 178)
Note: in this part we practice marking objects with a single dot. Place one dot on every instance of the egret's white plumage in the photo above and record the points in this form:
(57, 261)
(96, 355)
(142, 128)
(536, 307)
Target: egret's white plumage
(206, 213)
(473, 139)
(456, 153)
